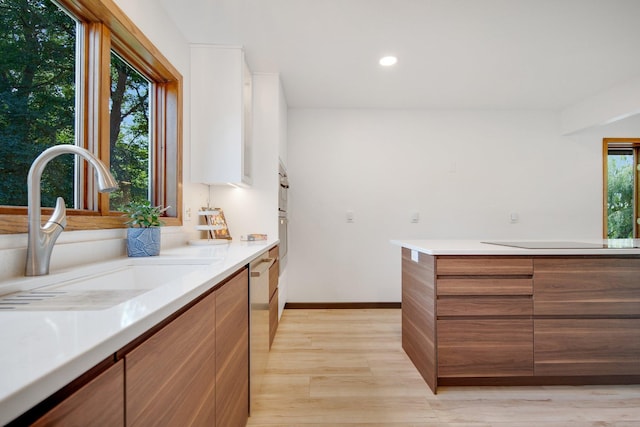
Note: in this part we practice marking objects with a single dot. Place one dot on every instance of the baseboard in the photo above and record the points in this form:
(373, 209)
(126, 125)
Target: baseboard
(333, 305)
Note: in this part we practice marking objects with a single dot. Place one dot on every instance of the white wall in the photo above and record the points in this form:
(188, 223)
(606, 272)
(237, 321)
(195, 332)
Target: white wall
(617, 103)
(464, 171)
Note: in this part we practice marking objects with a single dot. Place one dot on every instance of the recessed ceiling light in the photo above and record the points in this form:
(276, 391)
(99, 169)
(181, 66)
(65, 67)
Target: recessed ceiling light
(387, 61)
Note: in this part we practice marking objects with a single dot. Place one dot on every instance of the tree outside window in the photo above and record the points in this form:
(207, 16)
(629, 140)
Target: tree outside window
(37, 97)
(620, 165)
(53, 80)
(129, 133)
(620, 191)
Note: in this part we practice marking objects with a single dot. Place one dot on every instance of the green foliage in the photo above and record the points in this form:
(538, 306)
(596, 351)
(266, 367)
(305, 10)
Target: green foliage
(620, 197)
(37, 97)
(143, 214)
(129, 130)
(37, 107)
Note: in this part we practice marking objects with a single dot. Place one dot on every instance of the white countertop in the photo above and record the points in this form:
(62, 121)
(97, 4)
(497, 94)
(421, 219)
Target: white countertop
(42, 351)
(476, 247)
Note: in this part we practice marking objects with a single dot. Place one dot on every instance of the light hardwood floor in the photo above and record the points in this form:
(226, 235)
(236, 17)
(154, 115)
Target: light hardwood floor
(347, 368)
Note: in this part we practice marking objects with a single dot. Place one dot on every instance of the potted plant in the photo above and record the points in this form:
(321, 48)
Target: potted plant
(143, 234)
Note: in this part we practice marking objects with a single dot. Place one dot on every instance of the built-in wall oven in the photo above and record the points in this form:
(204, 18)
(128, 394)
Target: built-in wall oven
(283, 218)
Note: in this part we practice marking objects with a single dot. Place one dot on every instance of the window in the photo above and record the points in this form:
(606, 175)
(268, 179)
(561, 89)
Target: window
(129, 147)
(80, 72)
(620, 187)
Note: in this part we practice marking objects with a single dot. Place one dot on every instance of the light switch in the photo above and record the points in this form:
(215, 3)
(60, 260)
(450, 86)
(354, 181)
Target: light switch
(414, 217)
(513, 218)
(350, 216)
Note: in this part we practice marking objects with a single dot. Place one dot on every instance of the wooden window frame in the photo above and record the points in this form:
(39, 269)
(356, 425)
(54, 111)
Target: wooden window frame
(620, 143)
(105, 26)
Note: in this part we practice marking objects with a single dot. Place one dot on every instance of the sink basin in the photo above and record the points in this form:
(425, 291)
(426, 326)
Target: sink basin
(143, 277)
(97, 291)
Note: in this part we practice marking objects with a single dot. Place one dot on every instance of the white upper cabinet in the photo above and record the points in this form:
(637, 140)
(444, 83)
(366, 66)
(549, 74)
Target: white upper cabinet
(221, 104)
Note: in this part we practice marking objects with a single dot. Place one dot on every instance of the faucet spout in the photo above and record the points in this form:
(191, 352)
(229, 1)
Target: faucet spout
(41, 239)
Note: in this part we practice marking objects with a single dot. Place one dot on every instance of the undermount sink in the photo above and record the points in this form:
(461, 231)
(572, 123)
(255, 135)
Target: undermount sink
(97, 290)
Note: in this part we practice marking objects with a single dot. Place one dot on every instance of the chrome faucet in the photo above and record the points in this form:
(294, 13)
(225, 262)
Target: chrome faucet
(42, 238)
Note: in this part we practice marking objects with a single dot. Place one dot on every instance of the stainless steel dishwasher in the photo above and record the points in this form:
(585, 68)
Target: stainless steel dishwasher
(258, 323)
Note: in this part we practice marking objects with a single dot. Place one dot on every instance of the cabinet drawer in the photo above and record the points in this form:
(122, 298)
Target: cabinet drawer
(484, 286)
(274, 252)
(485, 348)
(587, 347)
(274, 273)
(485, 306)
(483, 266)
(604, 287)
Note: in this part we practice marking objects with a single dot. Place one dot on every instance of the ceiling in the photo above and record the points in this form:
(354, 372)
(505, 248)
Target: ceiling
(498, 54)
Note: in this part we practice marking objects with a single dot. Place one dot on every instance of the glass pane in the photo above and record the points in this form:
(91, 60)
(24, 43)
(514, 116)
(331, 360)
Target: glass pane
(129, 133)
(620, 194)
(37, 97)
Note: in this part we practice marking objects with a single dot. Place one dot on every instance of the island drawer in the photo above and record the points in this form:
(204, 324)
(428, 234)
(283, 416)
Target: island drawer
(483, 266)
(485, 306)
(485, 348)
(484, 286)
(587, 347)
(587, 287)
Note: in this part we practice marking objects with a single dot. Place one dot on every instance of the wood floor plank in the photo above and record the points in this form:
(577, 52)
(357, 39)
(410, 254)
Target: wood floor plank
(347, 368)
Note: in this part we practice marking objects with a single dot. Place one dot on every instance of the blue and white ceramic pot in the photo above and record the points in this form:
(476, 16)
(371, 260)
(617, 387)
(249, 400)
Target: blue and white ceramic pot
(143, 241)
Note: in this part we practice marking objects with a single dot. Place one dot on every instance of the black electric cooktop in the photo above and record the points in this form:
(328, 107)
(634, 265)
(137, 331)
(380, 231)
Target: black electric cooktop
(564, 245)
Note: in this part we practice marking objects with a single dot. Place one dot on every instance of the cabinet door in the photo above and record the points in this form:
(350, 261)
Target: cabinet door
(274, 272)
(98, 403)
(273, 318)
(220, 115)
(232, 352)
(587, 347)
(170, 377)
(274, 275)
(485, 347)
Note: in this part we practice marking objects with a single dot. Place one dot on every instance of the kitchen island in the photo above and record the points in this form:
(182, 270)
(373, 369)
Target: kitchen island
(497, 313)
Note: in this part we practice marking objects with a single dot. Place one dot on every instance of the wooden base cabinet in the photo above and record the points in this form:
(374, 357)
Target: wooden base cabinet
(587, 347)
(485, 347)
(232, 353)
(521, 320)
(98, 403)
(587, 316)
(274, 275)
(484, 316)
(171, 377)
(195, 370)
(190, 370)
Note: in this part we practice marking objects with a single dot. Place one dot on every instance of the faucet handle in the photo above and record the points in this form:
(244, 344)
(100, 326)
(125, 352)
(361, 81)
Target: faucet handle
(59, 215)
